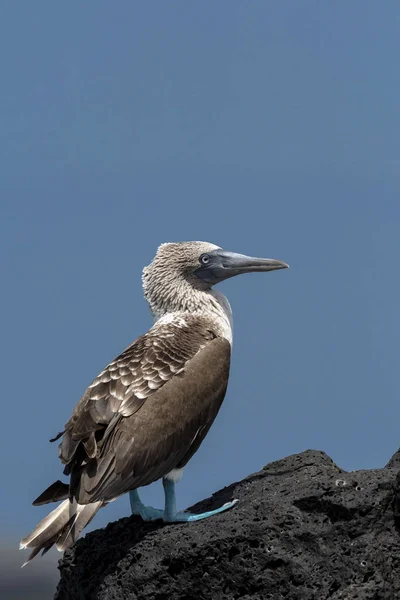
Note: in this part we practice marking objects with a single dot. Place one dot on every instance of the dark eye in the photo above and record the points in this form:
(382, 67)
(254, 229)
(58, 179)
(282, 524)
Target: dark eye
(205, 259)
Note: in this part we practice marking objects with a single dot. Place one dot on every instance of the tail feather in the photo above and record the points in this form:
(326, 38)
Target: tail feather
(55, 492)
(61, 527)
(84, 513)
(48, 527)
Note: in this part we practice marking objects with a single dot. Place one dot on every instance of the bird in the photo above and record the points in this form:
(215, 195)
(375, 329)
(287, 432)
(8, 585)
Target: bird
(146, 414)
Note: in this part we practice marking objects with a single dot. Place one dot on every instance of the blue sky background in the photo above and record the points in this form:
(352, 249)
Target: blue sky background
(269, 128)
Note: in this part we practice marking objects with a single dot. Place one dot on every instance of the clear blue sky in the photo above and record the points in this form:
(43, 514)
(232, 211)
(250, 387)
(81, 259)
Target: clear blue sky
(269, 128)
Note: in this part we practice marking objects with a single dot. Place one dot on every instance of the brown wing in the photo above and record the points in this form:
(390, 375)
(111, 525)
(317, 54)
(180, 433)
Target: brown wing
(147, 412)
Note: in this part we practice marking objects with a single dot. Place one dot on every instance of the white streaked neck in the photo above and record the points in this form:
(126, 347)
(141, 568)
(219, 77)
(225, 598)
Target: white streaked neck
(211, 304)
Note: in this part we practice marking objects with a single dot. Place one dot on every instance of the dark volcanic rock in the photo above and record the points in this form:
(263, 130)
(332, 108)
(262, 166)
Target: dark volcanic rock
(303, 529)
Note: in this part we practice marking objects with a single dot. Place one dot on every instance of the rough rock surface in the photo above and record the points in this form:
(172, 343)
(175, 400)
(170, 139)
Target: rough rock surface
(304, 529)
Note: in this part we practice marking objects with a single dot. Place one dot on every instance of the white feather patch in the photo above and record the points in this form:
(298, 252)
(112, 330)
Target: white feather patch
(175, 475)
(173, 319)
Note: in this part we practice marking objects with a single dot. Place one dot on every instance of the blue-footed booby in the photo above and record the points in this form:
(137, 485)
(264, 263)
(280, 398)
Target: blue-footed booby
(148, 411)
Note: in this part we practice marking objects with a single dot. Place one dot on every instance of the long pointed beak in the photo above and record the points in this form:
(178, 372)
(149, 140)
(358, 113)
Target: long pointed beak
(240, 263)
(223, 265)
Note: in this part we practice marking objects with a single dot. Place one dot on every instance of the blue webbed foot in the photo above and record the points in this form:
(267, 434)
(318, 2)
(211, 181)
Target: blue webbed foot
(186, 517)
(170, 514)
(147, 513)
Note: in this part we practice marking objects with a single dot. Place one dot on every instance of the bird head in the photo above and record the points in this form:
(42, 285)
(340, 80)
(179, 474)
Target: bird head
(198, 265)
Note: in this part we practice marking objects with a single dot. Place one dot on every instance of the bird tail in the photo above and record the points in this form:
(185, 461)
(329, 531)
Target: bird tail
(61, 527)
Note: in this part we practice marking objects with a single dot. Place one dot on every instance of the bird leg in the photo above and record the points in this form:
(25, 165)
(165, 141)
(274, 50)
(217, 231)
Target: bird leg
(170, 514)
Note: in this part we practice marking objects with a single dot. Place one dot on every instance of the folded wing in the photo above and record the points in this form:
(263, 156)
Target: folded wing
(147, 412)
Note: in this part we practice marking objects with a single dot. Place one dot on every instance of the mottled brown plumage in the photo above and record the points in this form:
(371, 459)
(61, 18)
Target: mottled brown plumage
(132, 426)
